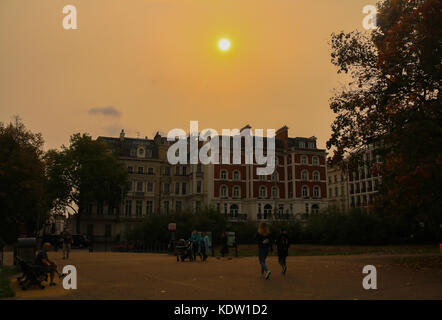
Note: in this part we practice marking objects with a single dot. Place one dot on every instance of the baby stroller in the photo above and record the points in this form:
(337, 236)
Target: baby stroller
(32, 274)
(184, 250)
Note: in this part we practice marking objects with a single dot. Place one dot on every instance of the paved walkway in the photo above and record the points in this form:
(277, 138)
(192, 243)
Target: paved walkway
(157, 276)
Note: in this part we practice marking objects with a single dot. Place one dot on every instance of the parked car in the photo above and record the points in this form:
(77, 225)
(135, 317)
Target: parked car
(80, 241)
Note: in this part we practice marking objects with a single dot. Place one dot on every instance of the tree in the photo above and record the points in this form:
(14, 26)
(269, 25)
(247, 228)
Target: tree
(85, 172)
(394, 97)
(23, 201)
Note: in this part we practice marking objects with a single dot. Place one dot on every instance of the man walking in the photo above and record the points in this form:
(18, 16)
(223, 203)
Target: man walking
(67, 241)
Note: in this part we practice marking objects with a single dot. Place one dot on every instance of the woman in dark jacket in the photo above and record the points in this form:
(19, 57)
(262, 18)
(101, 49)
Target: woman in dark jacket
(283, 244)
(264, 246)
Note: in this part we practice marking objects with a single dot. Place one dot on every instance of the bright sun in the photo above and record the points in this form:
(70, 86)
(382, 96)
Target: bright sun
(224, 44)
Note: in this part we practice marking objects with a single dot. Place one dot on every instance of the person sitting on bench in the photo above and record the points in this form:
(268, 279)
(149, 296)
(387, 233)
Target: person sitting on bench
(50, 266)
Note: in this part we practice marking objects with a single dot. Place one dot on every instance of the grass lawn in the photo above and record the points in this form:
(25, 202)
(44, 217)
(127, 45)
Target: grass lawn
(5, 289)
(323, 250)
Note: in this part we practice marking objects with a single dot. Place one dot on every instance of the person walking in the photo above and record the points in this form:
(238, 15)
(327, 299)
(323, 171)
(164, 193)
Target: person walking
(195, 240)
(264, 246)
(283, 244)
(204, 246)
(224, 246)
(67, 242)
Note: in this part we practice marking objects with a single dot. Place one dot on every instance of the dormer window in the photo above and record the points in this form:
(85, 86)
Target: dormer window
(302, 144)
(311, 145)
(140, 152)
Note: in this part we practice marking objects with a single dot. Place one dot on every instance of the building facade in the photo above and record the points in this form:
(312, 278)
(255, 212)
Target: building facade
(296, 189)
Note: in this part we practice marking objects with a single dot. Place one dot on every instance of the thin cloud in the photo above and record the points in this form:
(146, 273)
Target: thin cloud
(110, 111)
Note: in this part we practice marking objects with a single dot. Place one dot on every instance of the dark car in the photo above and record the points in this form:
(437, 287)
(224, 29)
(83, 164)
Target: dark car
(80, 241)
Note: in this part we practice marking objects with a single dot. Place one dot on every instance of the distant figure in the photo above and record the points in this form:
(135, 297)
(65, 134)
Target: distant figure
(67, 242)
(204, 246)
(283, 244)
(49, 266)
(224, 246)
(264, 246)
(195, 239)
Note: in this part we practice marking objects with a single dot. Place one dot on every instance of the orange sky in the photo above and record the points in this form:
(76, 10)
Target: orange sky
(156, 63)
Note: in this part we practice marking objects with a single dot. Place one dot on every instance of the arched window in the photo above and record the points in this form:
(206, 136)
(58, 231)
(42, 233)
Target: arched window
(267, 211)
(224, 191)
(304, 160)
(305, 191)
(315, 208)
(263, 192)
(236, 191)
(315, 161)
(316, 192)
(274, 192)
(275, 176)
(224, 174)
(304, 175)
(316, 176)
(236, 175)
(234, 210)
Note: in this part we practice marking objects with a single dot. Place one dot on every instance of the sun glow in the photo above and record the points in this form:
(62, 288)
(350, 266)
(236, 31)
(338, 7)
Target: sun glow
(224, 44)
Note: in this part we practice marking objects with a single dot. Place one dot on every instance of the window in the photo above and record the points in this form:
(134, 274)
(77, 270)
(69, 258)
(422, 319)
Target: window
(236, 191)
(100, 209)
(139, 186)
(130, 169)
(199, 168)
(304, 191)
(263, 192)
(177, 170)
(140, 170)
(236, 175)
(129, 186)
(316, 176)
(177, 188)
(107, 230)
(336, 192)
(329, 179)
(138, 208)
(149, 186)
(263, 177)
(166, 187)
(275, 192)
(259, 208)
(315, 208)
(306, 208)
(234, 210)
(315, 161)
(150, 171)
(267, 211)
(316, 192)
(149, 207)
(302, 144)
(184, 188)
(336, 178)
(275, 176)
(166, 207)
(128, 210)
(224, 174)
(342, 191)
(281, 209)
(167, 171)
(311, 145)
(198, 187)
(184, 171)
(225, 208)
(304, 160)
(304, 175)
(330, 194)
(224, 191)
(178, 206)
